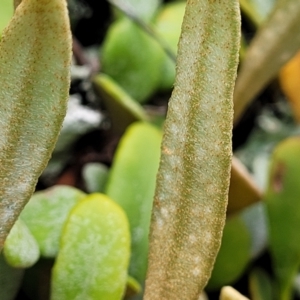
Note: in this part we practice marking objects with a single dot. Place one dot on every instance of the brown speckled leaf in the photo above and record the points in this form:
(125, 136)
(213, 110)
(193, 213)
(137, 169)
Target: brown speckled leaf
(35, 54)
(193, 179)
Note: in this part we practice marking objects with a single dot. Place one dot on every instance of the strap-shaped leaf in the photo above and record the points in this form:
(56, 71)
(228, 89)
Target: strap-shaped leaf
(192, 185)
(35, 54)
(276, 42)
(132, 184)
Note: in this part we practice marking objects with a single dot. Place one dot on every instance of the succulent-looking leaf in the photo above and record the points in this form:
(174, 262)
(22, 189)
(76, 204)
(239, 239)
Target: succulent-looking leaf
(94, 255)
(168, 25)
(132, 184)
(35, 54)
(283, 209)
(45, 214)
(193, 180)
(20, 248)
(123, 110)
(132, 58)
(276, 42)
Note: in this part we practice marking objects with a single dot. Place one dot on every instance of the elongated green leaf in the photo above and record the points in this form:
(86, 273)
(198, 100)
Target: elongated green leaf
(132, 184)
(45, 214)
(283, 208)
(95, 248)
(276, 42)
(20, 248)
(192, 185)
(35, 54)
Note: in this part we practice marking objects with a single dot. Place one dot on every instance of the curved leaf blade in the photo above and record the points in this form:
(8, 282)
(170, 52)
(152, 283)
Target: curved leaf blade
(193, 179)
(35, 54)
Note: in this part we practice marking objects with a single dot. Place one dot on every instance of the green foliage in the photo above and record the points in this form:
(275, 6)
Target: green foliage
(98, 243)
(228, 267)
(282, 201)
(137, 71)
(193, 179)
(46, 213)
(6, 11)
(131, 184)
(276, 42)
(94, 253)
(123, 109)
(20, 248)
(34, 66)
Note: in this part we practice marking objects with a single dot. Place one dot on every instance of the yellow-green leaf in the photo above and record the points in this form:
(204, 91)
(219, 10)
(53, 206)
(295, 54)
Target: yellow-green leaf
(6, 12)
(131, 184)
(94, 252)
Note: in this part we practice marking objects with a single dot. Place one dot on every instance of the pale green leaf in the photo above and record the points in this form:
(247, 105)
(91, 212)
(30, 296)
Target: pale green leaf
(94, 255)
(46, 213)
(20, 248)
